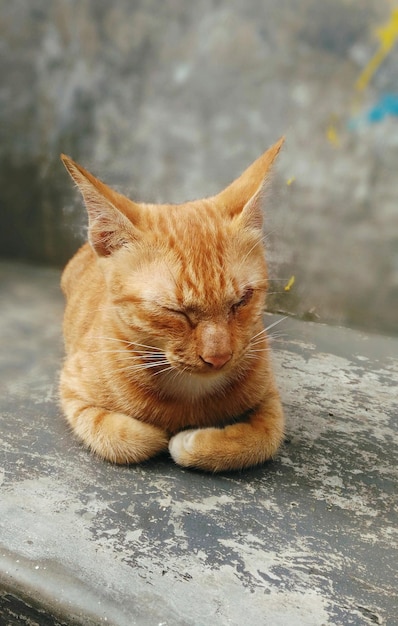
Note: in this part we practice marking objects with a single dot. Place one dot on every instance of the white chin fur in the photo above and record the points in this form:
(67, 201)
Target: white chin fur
(195, 385)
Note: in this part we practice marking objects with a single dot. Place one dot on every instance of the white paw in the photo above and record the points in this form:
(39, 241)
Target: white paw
(181, 446)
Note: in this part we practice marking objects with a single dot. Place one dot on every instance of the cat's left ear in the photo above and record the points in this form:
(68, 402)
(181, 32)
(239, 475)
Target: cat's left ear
(243, 197)
(110, 214)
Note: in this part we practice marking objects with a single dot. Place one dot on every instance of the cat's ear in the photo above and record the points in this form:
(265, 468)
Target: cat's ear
(244, 196)
(109, 229)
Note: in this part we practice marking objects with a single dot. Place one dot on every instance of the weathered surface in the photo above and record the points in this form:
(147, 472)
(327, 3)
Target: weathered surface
(308, 539)
(169, 101)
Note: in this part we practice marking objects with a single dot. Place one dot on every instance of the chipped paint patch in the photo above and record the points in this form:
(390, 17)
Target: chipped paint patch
(306, 539)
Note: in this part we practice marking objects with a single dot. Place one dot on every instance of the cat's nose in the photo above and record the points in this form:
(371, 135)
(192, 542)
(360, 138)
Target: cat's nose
(217, 361)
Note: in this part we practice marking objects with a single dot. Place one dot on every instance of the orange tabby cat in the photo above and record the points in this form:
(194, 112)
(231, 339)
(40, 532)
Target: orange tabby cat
(163, 328)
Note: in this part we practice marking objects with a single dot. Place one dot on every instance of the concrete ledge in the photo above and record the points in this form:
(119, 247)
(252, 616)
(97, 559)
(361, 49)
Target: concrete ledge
(308, 539)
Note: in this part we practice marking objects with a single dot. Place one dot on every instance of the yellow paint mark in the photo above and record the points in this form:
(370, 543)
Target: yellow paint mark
(290, 284)
(333, 136)
(290, 180)
(387, 36)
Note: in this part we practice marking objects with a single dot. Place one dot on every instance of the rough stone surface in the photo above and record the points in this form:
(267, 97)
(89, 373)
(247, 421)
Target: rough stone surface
(307, 540)
(169, 101)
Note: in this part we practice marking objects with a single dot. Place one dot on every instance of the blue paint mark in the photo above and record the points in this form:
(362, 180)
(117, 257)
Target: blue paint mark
(387, 105)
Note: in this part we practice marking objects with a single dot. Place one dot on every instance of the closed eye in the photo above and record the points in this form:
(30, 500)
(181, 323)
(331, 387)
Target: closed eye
(174, 311)
(178, 313)
(245, 299)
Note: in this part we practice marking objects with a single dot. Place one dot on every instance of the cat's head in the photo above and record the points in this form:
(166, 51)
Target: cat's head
(189, 279)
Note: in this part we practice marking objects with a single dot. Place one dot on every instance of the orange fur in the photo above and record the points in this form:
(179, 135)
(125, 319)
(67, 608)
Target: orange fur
(165, 343)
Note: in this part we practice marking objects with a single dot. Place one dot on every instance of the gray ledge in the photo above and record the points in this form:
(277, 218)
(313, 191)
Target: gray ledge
(308, 539)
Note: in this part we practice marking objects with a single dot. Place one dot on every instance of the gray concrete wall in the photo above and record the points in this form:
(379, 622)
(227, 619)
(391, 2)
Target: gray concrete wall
(171, 100)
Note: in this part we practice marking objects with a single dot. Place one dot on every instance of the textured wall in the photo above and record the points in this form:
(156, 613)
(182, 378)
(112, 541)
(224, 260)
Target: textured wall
(171, 100)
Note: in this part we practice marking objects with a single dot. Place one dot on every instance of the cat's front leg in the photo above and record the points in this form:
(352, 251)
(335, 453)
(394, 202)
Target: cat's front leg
(113, 436)
(234, 447)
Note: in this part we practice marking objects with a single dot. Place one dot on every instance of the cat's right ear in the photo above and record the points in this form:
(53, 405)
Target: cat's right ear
(109, 229)
(243, 197)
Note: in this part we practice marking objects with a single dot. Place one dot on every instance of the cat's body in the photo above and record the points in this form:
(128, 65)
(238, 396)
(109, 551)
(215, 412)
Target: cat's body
(163, 328)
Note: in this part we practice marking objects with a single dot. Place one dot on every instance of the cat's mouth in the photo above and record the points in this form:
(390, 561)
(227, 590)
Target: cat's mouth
(195, 380)
(203, 368)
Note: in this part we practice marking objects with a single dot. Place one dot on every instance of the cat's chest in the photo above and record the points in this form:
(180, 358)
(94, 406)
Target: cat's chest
(186, 387)
(186, 401)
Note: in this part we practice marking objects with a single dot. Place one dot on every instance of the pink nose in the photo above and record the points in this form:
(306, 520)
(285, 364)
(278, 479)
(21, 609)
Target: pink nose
(216, 360)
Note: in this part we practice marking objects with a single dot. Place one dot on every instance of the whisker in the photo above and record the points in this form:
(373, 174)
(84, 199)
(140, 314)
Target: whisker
(111, 339)
(134, 354)
(270, 337)
(250, 356)
(178, 373)
(167, 369)
(282, 319)
(145, 366)
(258, 336)
(130, 343)
(143, 345)
(136, 370)
(258, 242)
(266, 349)
(253, 283)
(276, 336)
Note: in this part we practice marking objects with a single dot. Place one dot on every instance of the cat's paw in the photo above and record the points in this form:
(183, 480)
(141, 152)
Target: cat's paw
(181, 447)
(200, 448)
(233, 447)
